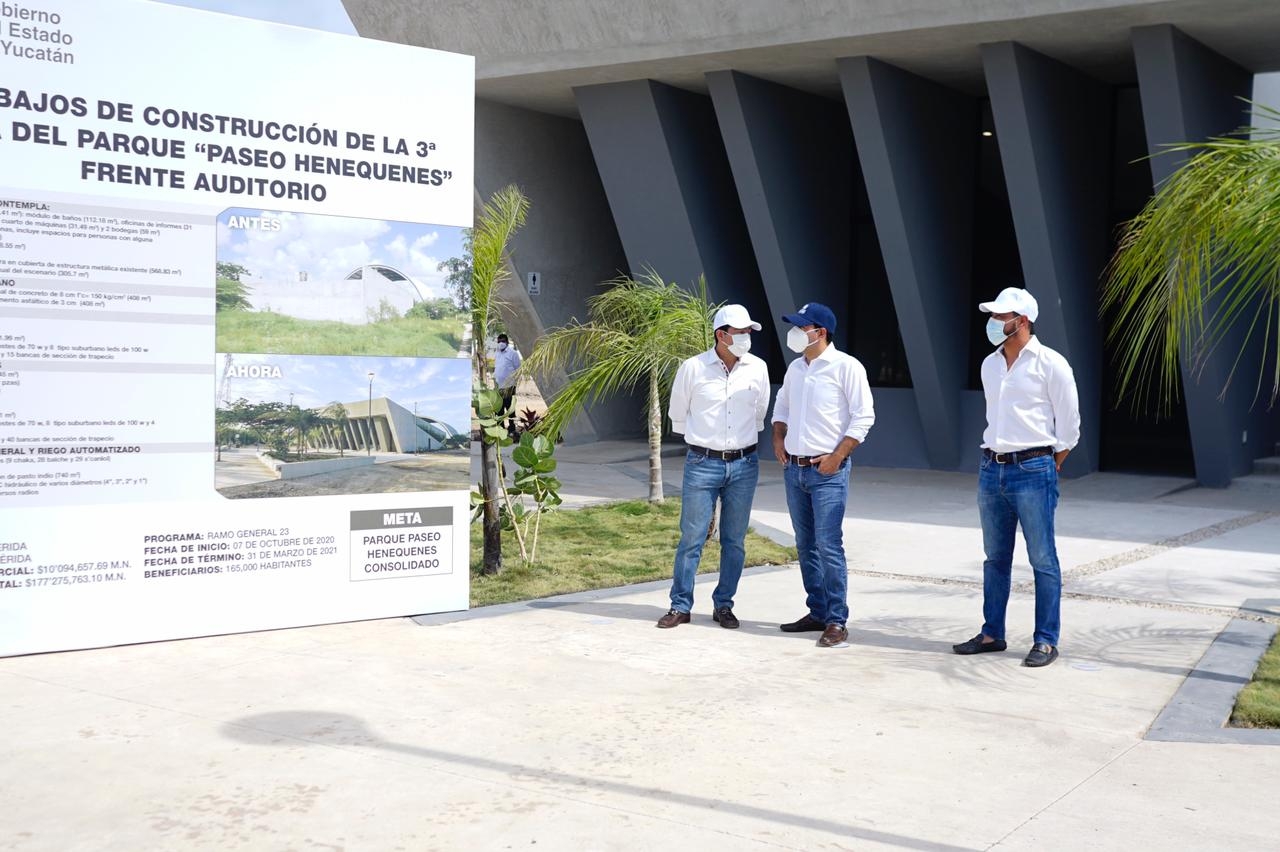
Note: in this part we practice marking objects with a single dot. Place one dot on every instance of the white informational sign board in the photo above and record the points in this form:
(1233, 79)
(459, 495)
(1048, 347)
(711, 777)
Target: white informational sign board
(232, 395)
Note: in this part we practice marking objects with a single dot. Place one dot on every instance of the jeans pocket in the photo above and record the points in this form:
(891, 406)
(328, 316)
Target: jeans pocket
(1039, 464)
(692, 458)
(842, 469)
(985, 463)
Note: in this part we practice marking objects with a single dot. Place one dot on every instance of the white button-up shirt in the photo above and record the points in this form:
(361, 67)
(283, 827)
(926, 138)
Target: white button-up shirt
(1031, 404)
(823, 401)
(505, 363)
(716, 408)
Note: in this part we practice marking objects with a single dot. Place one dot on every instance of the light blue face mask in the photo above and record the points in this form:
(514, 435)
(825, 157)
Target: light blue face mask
(995, 331)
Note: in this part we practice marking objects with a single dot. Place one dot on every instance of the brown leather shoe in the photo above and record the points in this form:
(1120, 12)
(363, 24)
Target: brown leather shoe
(672, 618)
(833, 635)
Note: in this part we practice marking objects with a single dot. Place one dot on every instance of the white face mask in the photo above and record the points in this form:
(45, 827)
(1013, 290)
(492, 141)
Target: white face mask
(741, 344)
(797, 339)
(502, 347)
(995, 331)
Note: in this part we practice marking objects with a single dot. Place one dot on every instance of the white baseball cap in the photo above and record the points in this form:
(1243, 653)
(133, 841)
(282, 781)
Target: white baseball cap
(734, 316)
(1012, 300)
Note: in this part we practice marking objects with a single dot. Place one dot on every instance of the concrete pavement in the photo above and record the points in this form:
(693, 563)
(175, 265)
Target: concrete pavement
(573, 724)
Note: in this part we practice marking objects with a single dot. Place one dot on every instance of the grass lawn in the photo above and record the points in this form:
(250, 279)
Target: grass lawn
(276, 334)
(1258, 705)
(598, 548)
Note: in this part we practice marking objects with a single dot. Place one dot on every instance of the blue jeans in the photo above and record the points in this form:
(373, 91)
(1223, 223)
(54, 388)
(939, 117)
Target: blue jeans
(816, 503)
(1010, 495)
(705, 480)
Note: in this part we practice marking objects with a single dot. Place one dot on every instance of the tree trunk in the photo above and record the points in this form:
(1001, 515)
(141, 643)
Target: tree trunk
(489, 488)
(490, 485)
(655, 440)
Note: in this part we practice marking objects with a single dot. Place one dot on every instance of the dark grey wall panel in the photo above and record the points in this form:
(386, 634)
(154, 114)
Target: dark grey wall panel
(664, 169)
(1190, 93)
(897, 439)
(973, 422)
(915, 141)
(792, 158)
(569, 238)
(1054, 128)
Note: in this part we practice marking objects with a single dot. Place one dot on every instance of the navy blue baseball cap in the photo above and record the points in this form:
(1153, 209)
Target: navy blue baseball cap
(813, 313)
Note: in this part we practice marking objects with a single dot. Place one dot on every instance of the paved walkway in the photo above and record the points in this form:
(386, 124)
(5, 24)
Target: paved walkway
(574, 724)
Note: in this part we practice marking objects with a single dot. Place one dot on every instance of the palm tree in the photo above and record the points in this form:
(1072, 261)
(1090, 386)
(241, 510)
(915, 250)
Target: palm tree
(639, 330)
(337, 415)
(306, 422)
(1200, 260)
(496, 223)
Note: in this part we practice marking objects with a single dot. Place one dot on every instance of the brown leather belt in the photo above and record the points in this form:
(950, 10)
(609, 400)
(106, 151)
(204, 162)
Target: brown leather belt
(806, 461)
(725, 455)
(1019, 456)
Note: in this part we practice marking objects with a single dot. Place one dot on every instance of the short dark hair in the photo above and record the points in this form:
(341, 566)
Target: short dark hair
(722, 328)
(503, 338)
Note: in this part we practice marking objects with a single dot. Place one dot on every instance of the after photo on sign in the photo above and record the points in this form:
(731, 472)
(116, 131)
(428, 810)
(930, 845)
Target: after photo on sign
(307, 425)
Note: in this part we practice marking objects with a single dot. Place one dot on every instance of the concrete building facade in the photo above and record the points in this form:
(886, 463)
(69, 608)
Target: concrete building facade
(382, 425)
(898, 161)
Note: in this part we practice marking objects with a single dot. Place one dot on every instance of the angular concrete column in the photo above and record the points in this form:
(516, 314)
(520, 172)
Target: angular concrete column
(1190, 93)
(667, 178)
(1053, 124)
(791, 155)
(916, 144)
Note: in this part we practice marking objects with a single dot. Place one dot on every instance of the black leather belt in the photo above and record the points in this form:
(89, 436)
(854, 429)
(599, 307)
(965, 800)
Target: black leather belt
(1019, 456)
(726, 455)
(806, 461)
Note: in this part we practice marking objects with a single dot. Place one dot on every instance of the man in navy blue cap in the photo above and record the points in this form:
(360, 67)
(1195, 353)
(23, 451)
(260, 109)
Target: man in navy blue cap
(822, 413)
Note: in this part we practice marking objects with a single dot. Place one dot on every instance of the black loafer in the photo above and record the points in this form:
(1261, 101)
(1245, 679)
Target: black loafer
(977, 646)
(725, 618)
(804, 625)
(1040, 655)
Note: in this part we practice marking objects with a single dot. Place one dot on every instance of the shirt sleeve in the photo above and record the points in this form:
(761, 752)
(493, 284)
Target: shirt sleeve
(762, 398)
(862, 412)
(678, 410)
(782, 405)
(516, 359)
(1066, 406)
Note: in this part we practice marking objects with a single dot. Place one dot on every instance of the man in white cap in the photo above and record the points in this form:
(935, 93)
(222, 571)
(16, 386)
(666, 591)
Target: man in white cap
(1033, 421)
(718, 402)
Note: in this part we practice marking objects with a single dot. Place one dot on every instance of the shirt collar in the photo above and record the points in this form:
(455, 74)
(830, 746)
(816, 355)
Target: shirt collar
(1033, 346)
(828, 354)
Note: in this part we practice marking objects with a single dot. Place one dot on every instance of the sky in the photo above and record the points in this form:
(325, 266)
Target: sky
(440, 386)
(328, 248)
(316, 14)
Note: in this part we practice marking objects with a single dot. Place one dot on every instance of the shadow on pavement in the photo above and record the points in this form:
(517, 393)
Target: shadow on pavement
(341, 730)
